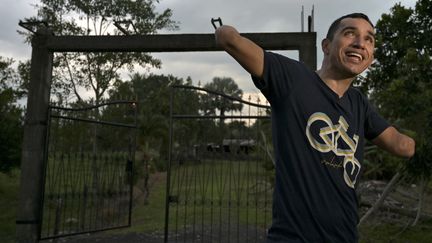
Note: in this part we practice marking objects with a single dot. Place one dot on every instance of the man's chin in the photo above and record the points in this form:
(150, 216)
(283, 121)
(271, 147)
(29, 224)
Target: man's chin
(353, 72)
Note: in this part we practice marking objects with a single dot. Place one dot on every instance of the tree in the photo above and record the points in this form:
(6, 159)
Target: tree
(214, 103)
(153, 96)
(400, 81)
(10, 117)
(98, 71)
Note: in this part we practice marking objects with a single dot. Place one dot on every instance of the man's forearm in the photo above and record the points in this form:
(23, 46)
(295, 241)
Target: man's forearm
(396, 143)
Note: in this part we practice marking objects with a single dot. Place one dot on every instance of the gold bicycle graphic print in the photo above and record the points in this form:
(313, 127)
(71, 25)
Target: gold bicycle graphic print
(331, 135)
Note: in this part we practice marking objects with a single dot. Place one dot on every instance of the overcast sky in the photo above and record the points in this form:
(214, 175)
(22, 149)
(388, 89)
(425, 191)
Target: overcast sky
(194, 17)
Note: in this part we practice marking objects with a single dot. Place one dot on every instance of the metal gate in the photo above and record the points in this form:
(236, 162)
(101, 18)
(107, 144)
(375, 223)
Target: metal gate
(88, 169)
(220, 173)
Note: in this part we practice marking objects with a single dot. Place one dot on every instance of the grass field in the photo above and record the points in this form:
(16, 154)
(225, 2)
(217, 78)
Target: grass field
(386, 233)
(149, 215)
(85, 193)
(8, 205)
(226, 199)
(220, 198)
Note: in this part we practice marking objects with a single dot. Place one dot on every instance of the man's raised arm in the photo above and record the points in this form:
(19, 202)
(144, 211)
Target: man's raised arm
(248, 54)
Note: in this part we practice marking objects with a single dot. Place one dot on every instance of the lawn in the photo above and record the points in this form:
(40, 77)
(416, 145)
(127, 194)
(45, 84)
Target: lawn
(8, 203)
(387, 232)
(213, 198)
(190, 214)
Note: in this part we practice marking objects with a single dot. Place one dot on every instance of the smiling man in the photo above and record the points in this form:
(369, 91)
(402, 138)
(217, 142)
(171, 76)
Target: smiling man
(319, 126)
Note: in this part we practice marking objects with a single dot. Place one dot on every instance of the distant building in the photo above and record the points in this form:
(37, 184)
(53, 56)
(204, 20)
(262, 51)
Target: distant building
(238, 145)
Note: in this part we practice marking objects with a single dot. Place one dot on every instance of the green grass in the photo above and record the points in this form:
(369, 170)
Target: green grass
(199, 189)
(76, 201)
(384, 233)
(221, 191)
(8, 202)
(150, 218)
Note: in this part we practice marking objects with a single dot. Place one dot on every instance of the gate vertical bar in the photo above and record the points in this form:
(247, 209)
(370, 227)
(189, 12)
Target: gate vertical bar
(45, 168)
(132, 152)
(168, 181)
(34, 140)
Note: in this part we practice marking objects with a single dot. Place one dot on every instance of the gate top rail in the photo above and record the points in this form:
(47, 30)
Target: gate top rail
(177, 86)
(117, 124)
(93, 106)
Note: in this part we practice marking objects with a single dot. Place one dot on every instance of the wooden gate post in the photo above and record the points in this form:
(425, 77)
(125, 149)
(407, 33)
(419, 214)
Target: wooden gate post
(34, 140)
(308, 53)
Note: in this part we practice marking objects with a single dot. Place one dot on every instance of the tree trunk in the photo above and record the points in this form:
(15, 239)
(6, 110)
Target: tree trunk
(422, 190)
(387, 190)
(266, 147)
(411, 213)
(222, 114)
(94, 166)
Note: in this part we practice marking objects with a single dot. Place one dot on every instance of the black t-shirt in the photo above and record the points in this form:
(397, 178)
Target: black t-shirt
(318, 141)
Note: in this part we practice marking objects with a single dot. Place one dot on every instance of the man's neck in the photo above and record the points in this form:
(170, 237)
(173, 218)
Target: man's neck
(337, 84)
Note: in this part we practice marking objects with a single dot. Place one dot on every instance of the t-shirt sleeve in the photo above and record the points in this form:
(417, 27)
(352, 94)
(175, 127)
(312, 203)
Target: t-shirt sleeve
(277, 80)
(375, 124)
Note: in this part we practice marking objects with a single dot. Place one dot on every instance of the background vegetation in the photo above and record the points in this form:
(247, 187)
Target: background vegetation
(399, 84)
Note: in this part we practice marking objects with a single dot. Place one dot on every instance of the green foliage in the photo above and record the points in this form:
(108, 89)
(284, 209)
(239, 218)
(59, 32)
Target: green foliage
(380, 165)
(391, 48)
(213, 103)
(23, 70)
(9, 200)
(10, 117)
(98, 71)
(400, 81)
(152, 93)
(420, 166)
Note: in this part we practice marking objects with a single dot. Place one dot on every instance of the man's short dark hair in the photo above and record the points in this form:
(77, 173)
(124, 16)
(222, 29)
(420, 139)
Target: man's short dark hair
(334, 26)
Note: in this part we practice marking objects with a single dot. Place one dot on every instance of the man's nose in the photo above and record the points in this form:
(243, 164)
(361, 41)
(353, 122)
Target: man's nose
(359, 43)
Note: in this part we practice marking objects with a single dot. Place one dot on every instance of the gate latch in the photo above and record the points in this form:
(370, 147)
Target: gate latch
(216, 20)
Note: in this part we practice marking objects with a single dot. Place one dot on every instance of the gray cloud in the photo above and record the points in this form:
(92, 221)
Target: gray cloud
(254, 16)
(194, 17)
(11, 43)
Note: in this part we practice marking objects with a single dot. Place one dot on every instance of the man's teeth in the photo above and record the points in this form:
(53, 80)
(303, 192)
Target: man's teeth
(355, 55)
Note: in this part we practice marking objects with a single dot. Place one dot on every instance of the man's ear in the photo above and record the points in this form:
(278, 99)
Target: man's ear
(325, 46)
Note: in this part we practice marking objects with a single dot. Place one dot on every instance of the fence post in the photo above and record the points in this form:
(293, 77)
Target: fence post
(308, 53)
(34, 140)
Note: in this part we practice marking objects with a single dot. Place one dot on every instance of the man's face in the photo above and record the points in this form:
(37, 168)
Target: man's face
(351, 50)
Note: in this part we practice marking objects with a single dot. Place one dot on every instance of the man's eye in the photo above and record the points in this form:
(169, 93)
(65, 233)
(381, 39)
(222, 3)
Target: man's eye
(349, 33)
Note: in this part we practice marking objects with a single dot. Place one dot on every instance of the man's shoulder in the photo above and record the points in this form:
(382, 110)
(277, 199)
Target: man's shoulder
(280, 57)
(286, 63)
